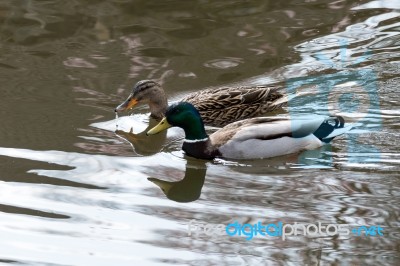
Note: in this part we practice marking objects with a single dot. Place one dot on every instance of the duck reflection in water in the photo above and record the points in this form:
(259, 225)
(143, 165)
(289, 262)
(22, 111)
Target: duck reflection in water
(142, 144)
(189, 188)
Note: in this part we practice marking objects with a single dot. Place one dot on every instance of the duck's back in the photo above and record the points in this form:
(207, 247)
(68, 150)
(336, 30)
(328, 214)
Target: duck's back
(222, 106)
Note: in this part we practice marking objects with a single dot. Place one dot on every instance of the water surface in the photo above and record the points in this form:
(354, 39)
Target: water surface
(73, 192)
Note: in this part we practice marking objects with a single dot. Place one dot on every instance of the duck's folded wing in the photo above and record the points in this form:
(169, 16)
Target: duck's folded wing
(268, 128)
(222, 98)
(213, 99)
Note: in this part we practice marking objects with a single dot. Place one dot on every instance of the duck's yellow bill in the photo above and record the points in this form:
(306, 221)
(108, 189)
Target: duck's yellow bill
(163, 125)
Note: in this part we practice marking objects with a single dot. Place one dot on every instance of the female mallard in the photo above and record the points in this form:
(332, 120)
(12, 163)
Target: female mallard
(217, 107)
(252, 138)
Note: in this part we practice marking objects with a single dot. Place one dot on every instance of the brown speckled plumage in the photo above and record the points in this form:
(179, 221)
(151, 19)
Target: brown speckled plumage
(222, 106)
(217, 106)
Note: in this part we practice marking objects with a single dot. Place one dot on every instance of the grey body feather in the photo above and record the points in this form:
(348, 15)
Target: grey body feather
(268, 137)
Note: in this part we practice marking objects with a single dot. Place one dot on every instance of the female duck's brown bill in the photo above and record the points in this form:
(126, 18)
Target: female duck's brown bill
(128, 104)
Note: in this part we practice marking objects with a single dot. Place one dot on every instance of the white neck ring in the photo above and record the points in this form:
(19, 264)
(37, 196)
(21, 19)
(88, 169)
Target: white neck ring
(195, 140)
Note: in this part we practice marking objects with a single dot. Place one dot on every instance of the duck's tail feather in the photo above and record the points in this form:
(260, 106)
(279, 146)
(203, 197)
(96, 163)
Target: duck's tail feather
(283, 100)
(278, 103)
(333, 126)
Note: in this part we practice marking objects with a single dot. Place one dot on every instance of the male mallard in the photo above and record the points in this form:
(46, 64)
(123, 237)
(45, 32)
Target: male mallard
(252, 138)
(217, 107)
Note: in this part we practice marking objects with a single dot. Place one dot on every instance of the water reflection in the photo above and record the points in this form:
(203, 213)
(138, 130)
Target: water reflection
(28, 211)
(67, 62)
(189, 187)
(132, 129)
(141, 143)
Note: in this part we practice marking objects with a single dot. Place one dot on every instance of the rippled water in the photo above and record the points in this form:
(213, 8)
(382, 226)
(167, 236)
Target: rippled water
(74, 192)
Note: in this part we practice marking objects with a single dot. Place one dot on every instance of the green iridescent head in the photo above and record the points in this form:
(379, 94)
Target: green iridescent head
(185, 116)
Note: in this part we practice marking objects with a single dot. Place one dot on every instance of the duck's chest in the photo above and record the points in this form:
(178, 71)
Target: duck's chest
(199, 149)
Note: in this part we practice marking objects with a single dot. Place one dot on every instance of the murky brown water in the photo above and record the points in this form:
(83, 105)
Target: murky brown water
(75, 193)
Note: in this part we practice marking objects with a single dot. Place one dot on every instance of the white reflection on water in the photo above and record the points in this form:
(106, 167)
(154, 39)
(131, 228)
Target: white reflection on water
(106, 222)
(127, 218)
(123, 219)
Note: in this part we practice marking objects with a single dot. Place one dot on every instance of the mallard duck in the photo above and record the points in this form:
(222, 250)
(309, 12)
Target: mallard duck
(218, 107)
(253, 138)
